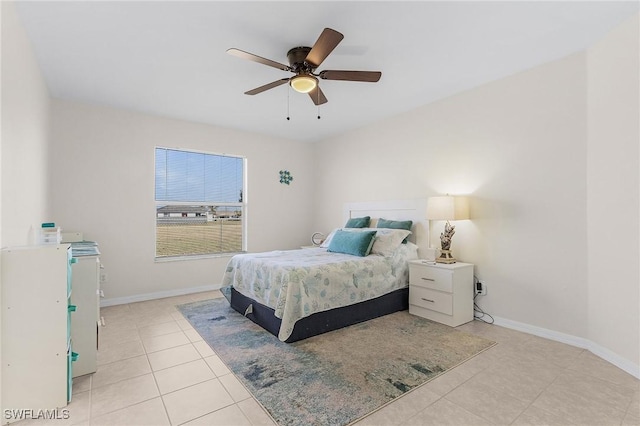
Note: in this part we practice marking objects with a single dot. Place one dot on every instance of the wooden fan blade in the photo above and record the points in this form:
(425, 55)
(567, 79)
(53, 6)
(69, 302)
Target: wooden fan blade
(255, 58)
(370, 76)
(317, 96)
(325, 44)
(267, 87)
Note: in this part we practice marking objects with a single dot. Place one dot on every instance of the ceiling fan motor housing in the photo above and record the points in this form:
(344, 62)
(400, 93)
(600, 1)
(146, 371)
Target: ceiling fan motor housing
(297, 56)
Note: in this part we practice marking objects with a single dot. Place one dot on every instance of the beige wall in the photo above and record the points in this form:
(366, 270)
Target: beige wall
(25, 135)
(102, 181)
(517, 146)
(550, 158)
(613, 186)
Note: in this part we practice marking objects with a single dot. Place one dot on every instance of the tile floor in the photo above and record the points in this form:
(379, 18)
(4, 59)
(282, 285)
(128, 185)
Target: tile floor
(154, 369)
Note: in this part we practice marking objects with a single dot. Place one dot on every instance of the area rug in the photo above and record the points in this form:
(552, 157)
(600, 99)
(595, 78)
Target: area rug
(337, 377)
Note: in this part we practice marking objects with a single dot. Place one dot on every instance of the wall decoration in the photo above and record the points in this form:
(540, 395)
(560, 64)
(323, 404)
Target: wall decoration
(285, 177)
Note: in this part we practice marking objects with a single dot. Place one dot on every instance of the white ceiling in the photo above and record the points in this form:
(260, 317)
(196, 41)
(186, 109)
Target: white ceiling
(168, 58)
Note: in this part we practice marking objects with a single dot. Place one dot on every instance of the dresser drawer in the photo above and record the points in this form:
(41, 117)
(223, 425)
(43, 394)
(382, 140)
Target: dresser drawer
(431, 299)
(433, 278)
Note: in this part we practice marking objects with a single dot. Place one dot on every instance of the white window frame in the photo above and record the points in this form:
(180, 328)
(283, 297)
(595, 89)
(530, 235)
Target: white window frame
(243, 205)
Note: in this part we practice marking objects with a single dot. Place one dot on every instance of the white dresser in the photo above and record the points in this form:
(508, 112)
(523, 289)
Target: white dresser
(36, 328)
(441, 292)
(85, 323)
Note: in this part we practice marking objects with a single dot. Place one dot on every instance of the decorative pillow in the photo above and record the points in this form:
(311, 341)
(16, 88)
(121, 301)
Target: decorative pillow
(396, 224)
(355, 243)
(327, 240)
(388, 240)
(358, 222)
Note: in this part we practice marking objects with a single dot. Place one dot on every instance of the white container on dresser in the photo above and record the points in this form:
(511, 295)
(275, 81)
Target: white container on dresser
(441, 292)
(85, 323)
(36, 344)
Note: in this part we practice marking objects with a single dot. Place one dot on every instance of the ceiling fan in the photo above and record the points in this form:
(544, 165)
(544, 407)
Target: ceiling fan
(303, 62)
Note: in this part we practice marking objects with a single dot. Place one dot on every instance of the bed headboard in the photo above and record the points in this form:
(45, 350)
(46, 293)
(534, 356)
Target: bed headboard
(414, 210)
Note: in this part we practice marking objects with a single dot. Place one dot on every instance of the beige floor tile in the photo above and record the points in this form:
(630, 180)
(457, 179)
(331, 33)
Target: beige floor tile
(184, 324)
(204, 348)
(158, 329)
(147, 413)
(173, 356)
(497, 406)
(166, 341)
(522, 379)
(177, 316)
(82, 383)
(153, 318)
(444, 412)
(193, 335)
(206, 295)
(118, 323)
(121, 370)
(236, 389)
(255, 413)
(231, 415)
(582, 399)
(402, 409)
(183, 375)
(196, 401)
(217, 366)
(534, 416)
(551, 352)
(111, 335)
(125, 393)
(116, 310)
(78, 412)
(146, 305)
(631, 420)
(588, 363)
(120, 351)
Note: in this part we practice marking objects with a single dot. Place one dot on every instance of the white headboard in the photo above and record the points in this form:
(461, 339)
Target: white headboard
(414, 210)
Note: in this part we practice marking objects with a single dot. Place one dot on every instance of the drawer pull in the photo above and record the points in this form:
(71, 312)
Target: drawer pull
(428, 300)
(427, 279)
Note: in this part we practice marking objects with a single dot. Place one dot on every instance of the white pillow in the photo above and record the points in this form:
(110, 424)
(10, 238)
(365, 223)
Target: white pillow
(386, 242)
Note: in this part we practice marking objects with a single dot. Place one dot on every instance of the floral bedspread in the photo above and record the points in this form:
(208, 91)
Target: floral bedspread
(298, 283)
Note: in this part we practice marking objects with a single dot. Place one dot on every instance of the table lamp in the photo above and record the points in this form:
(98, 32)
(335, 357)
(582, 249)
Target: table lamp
(447, 208)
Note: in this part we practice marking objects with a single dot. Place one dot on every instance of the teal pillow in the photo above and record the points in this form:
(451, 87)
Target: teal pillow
(396, 224)
(358, 222)
(355, 243)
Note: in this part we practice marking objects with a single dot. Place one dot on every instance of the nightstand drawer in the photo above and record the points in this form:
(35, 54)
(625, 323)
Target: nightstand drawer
(433, 278)
(431, 299)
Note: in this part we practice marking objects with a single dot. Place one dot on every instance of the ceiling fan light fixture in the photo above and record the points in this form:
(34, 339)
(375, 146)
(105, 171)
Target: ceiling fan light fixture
(303, 83)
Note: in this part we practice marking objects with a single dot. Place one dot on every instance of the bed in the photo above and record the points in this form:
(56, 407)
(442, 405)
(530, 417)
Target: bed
(296, 294)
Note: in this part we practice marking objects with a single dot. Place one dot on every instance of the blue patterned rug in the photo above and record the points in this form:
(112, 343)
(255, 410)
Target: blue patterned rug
(337, 377)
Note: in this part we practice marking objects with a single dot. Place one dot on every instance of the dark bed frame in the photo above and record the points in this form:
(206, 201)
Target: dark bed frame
(322, 322)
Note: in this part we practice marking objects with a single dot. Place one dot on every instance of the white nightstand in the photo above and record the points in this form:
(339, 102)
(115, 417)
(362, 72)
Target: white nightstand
(441, 292)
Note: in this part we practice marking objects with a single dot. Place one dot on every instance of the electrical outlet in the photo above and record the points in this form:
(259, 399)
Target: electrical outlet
(103, 277)
(481, 288)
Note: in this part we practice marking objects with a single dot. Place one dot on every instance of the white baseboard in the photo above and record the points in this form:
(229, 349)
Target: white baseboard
(158, 295)
(580, 342)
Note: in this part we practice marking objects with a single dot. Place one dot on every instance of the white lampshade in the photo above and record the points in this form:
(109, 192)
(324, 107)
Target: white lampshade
(447, 208)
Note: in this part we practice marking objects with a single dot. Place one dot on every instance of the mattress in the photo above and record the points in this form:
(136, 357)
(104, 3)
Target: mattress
(300, 283)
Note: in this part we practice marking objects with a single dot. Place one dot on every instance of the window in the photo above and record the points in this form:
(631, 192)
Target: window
(199, 203)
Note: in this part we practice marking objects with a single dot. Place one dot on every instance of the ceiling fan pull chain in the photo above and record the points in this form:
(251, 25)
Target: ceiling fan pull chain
(318, 103)
(288, 91)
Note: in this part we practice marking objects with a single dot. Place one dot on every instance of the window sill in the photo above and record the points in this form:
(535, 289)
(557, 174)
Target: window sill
(194, 257)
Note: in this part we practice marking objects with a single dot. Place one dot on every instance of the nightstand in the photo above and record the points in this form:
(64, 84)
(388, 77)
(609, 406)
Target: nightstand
(441, 292)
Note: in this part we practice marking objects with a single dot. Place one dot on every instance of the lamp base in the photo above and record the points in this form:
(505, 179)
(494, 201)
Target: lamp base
(445, 257)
